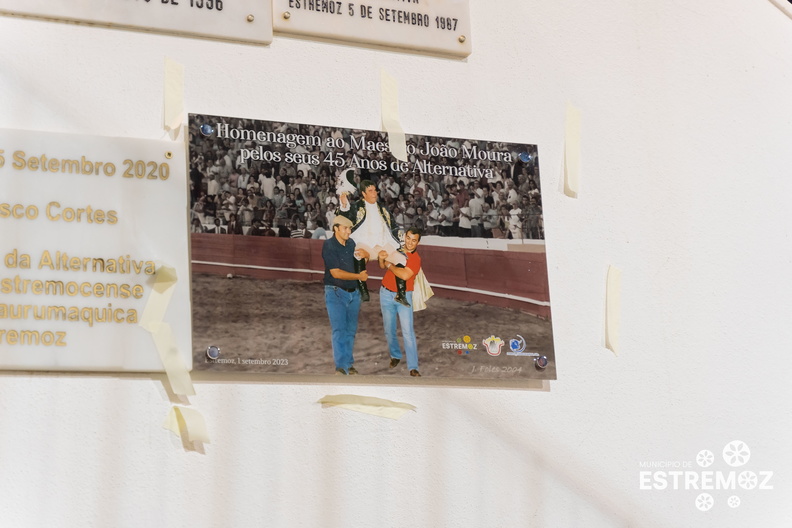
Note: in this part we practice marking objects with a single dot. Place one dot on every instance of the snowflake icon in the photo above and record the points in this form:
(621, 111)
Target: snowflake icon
(734, 501)
(704, 501)
(705, 458)
(747, 480)
(736, 453)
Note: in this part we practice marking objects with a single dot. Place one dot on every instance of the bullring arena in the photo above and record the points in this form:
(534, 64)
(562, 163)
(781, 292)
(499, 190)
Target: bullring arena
(271, 318)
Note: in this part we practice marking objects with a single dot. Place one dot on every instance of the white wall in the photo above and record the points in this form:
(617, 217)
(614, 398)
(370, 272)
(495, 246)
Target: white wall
(686, 156)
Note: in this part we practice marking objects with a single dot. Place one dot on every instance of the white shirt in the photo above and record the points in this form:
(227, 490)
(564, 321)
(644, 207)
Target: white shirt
(514, 197)
(267, 186)
(448, 213)
(475, 209)
(213, 188)
(373, 231)
(464, 222)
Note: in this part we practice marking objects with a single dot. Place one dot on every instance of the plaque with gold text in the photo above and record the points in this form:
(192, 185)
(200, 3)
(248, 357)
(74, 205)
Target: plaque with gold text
(88, 224)
(248, 21)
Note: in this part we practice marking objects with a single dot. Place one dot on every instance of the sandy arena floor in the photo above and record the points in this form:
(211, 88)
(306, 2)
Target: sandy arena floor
(254, 321)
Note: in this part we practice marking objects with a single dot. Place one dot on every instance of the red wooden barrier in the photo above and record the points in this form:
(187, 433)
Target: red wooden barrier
(515, 273)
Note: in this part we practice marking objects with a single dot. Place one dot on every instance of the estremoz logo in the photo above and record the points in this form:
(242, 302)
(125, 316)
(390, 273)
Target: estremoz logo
(683, 475)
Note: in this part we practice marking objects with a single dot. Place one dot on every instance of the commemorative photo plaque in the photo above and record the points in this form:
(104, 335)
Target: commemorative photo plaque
(264, 197)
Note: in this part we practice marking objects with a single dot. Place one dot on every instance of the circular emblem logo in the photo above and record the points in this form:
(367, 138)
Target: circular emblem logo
(517, 345)
(705, 458)
(704, 501)
(747, 480)
(736, 453)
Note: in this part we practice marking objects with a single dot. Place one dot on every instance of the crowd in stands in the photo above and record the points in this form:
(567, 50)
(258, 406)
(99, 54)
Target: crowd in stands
(234, 195)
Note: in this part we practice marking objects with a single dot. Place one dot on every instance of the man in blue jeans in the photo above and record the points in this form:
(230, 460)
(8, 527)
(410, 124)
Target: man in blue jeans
(342, 297)
(391, 308)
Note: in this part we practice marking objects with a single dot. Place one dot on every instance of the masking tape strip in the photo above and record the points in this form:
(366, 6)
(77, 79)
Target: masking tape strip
(187, 423)
(160, 296)
(178, 375)
(151, 320)
(389, 93)
(571, 151)
(612, 309)
(368, 405)
(173, 109)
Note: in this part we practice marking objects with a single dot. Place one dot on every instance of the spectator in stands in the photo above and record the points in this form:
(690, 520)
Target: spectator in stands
(256, 229)
(224, 170)
(280, 181)
(515, 223)
(399, 217)
(310, 199)
(289, 206)
(487, 196)
(300, 185)
(234, 227)
(299, 200)
(392, 188)
(420, 219)
(462, 195)
(243, 179)
(298, 229)
(196, 226)
(501, 199)
(323, 193)
(533, 190)
(253, 199)
(432, 219)
(214, 172)
(503, 221)
(277, 198)
(512, 196)
(455, 219)
(419, 200)
(217, 229)
(489, 219)
(198, 209)
(446, 218)
(245, 213)
(401, 201)
(534, 225)
(268, 230)
(253, 186)
(331, 213)
(283, 228)
(311, 217)
(432, 185)
(319, 232)
(196, 179)
(267, 183)
(409, 217)
(213, 188)
(475, 210)
(229, 203)
(465, 222)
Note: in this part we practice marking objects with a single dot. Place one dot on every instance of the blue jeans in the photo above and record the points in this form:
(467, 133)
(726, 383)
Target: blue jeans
(390, 310)
(342, 308)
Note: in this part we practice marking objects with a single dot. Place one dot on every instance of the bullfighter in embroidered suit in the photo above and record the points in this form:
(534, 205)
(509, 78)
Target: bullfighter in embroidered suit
(373, 230)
